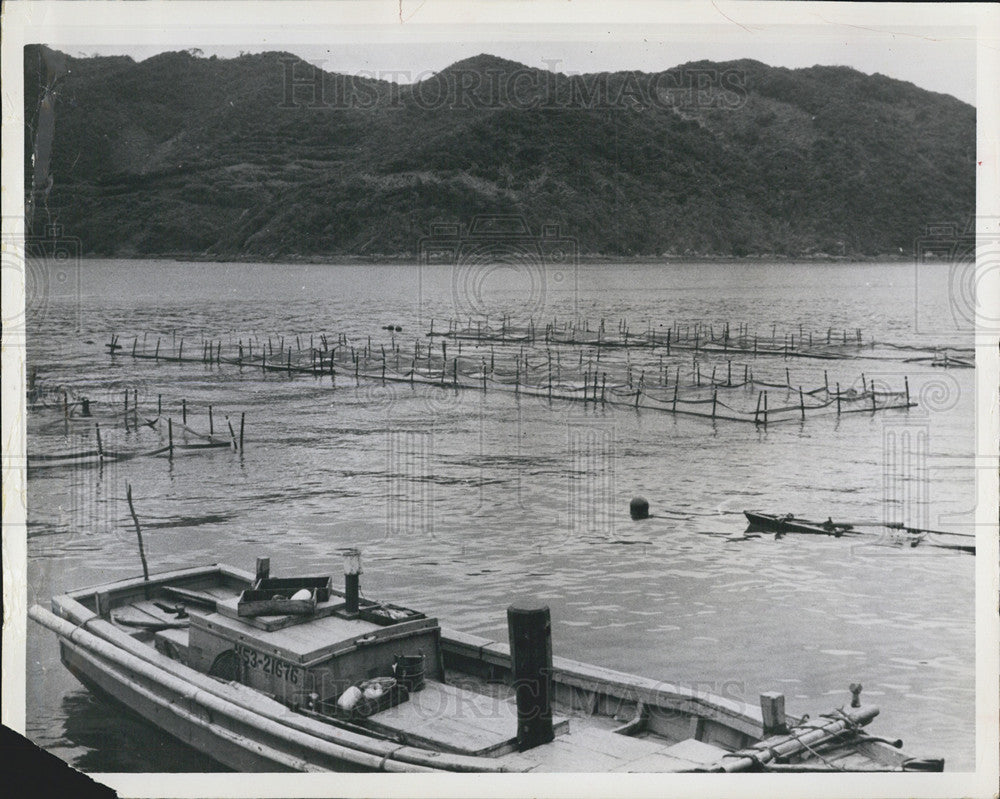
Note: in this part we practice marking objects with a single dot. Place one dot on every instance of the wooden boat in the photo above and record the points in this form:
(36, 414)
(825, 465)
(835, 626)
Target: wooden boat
(788, 523)
(911, 536)
(280, 692)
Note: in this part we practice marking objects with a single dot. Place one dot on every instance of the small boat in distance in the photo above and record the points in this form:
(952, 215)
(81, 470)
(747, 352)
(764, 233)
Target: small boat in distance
(788, 523)
(289, 674)
(900, 535)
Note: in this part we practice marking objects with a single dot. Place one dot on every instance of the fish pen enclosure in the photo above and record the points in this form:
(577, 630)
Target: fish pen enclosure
(718, 373)
(69, 429)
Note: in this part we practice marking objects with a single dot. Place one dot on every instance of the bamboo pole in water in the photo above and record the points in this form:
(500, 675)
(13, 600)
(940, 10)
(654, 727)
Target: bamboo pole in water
(138, 533)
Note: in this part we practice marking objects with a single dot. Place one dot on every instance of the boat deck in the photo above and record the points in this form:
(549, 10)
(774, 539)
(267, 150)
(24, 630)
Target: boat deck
(463, 715)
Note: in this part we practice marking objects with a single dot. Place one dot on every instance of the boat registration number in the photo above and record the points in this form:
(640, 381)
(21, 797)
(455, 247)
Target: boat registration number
(252, 659)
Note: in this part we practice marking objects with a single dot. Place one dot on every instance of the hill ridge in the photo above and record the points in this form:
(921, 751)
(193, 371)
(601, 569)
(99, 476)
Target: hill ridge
(212, 157)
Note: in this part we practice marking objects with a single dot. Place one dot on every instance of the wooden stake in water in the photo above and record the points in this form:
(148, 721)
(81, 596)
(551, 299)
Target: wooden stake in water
(170, 436)
(184, 411)
(138, 533)
(243, 418)
(838, 399)
(100, 449)
(802, 404)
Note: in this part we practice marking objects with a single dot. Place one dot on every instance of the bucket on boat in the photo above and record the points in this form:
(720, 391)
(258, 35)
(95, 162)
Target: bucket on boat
(409, 670)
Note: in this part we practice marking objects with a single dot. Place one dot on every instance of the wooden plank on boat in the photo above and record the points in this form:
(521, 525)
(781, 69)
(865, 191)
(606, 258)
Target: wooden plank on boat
(657, 762)
(566, 754)
(455, 720)
(694, 751)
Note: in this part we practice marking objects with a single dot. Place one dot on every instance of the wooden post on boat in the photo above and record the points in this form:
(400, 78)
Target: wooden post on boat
(138, 533)
(263, 568)
(352, 585)
(772, 712)
(529, 629)
(243, 418)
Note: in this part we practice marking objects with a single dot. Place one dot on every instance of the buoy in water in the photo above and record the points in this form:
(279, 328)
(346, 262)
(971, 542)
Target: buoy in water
(638, 508)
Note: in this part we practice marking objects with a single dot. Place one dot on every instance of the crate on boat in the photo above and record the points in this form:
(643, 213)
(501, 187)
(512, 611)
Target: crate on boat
(385, 614)
(289, 585)
(394, 694)
(275, 602)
